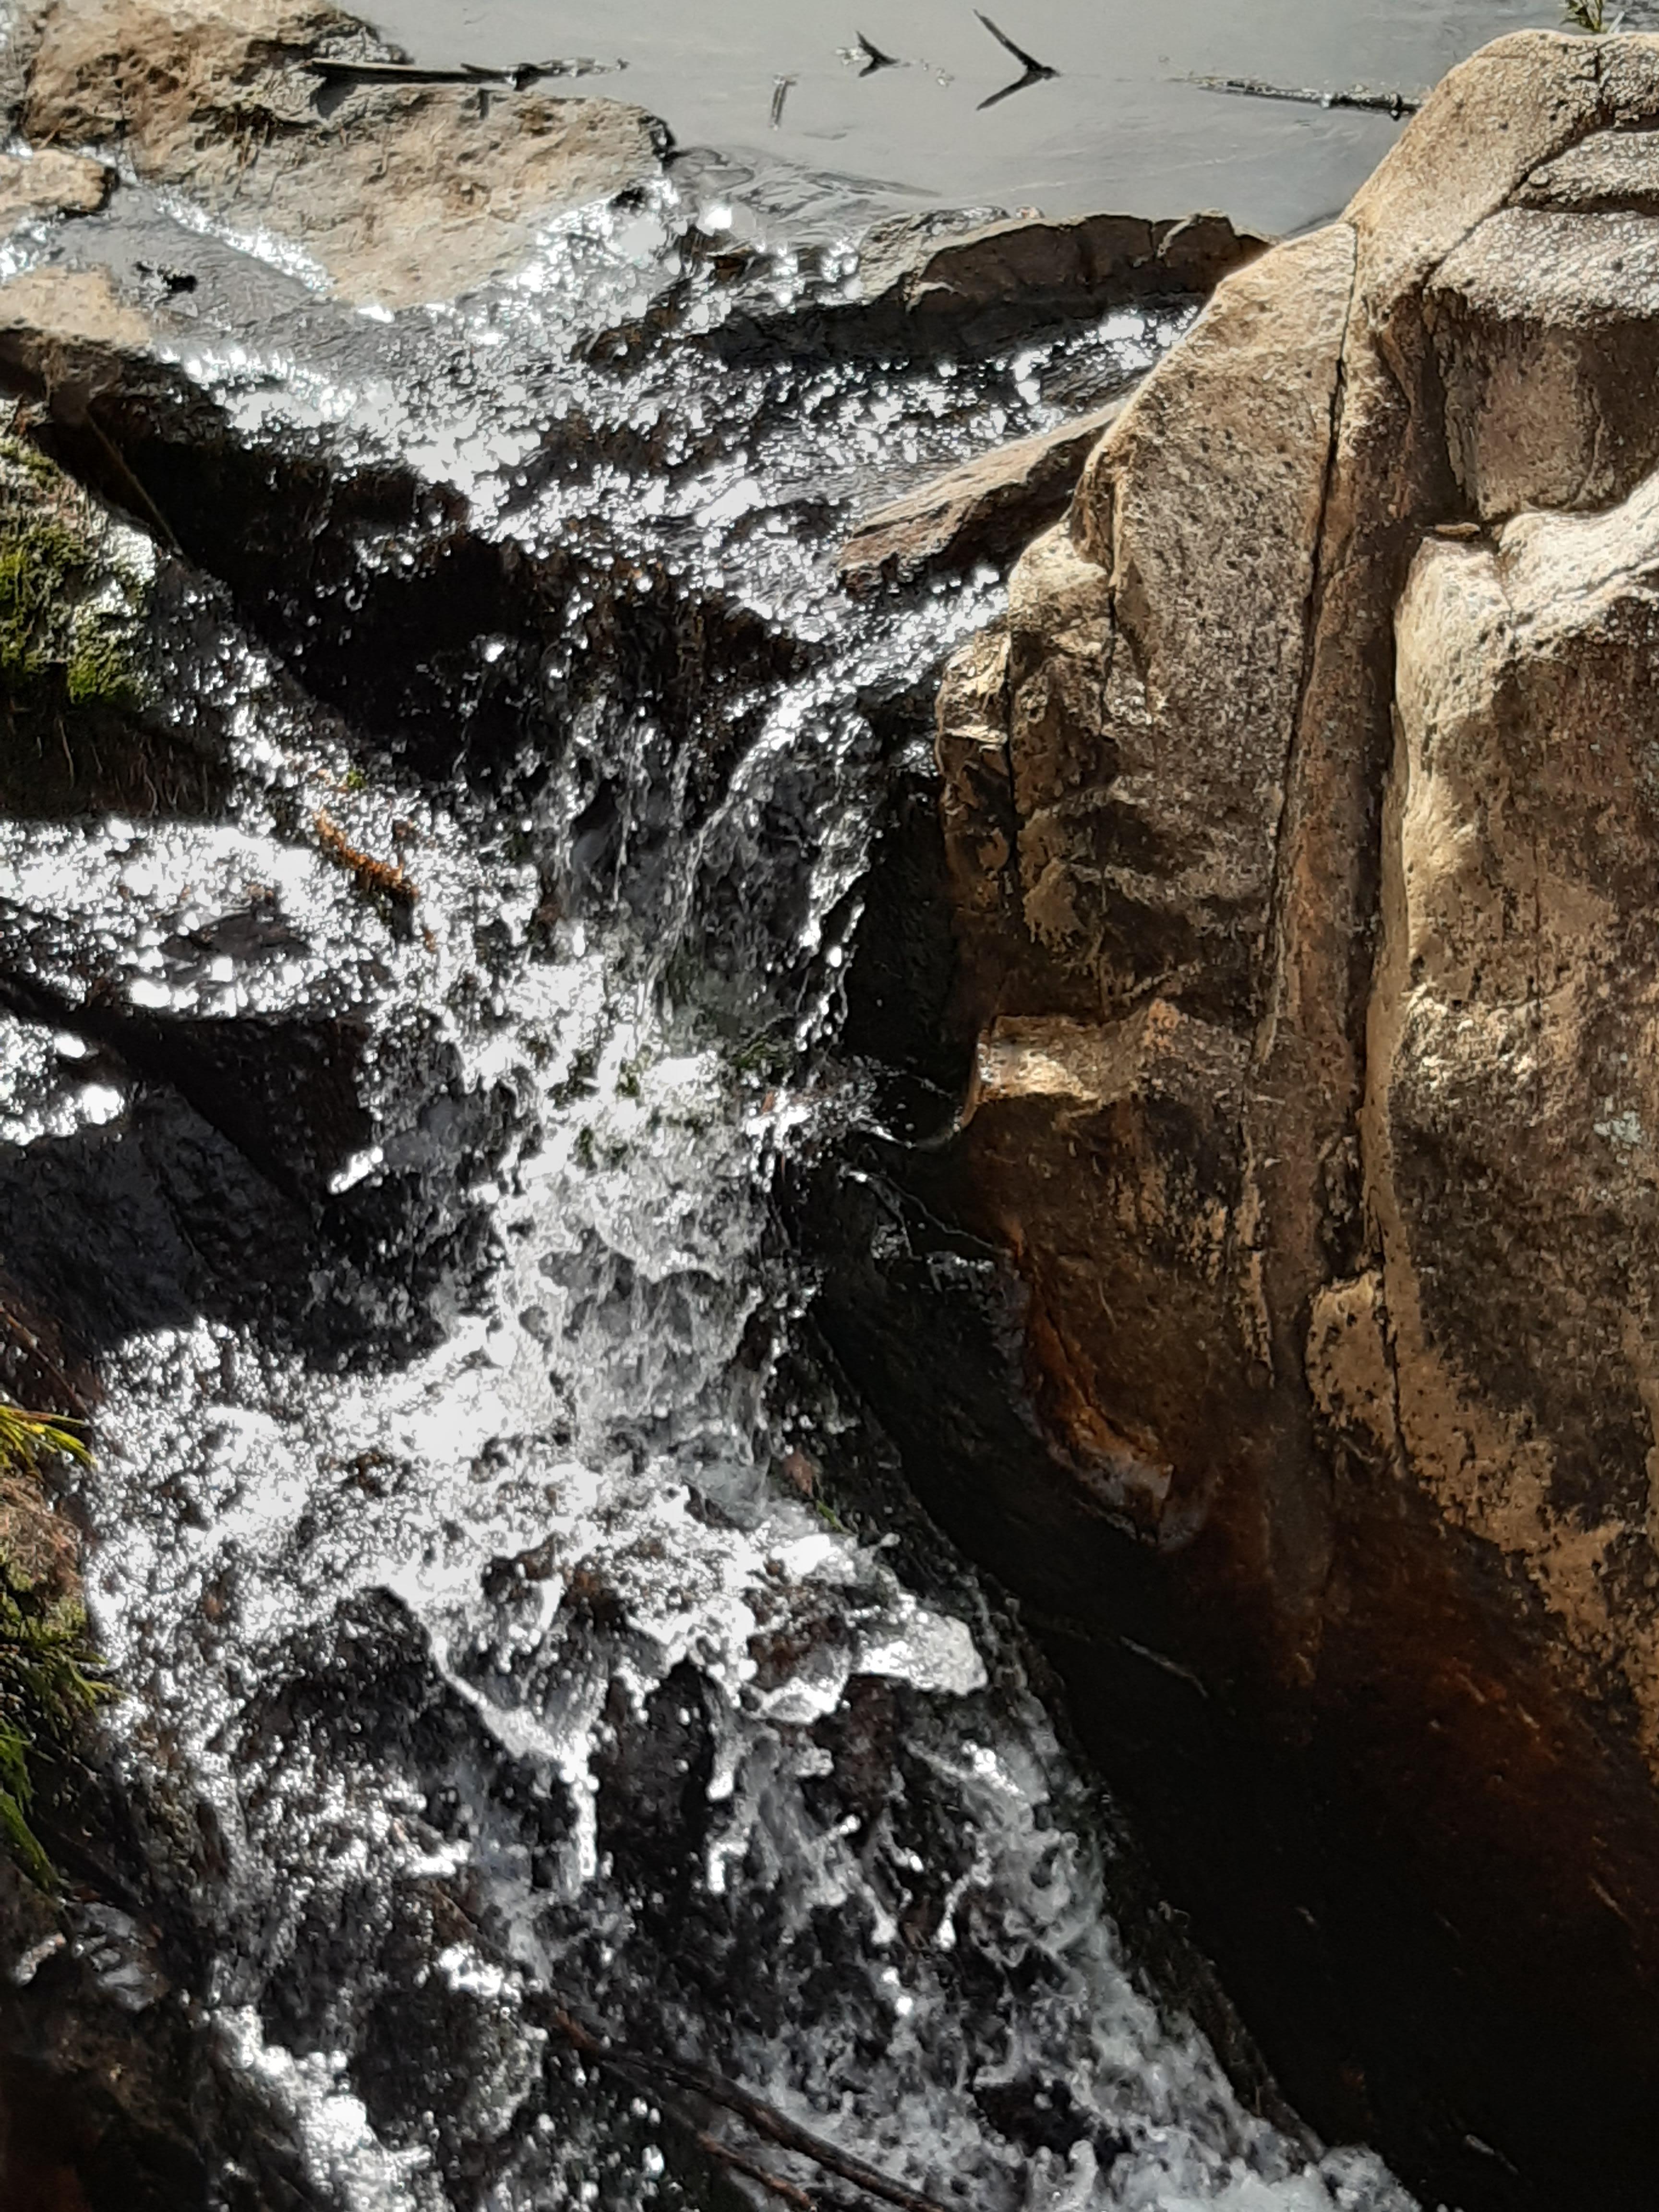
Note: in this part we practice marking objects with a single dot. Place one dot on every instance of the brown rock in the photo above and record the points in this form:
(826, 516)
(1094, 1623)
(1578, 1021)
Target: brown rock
(980, 512)
(400, 192)
(50, 183)
(932, 266)
(1300, 830)
(65, 334)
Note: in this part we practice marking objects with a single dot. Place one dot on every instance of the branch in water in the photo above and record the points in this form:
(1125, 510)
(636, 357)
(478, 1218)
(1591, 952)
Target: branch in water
(1035, 71)
(740, 2162)
(764, 2118)
(1029, 62)
(520, 75)
(1382, 103)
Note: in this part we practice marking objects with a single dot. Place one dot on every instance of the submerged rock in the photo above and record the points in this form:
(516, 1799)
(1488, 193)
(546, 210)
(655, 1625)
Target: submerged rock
(1300, 826)
(399, 191)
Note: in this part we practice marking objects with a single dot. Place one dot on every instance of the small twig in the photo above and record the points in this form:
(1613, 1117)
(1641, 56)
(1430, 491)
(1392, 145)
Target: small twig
(740, 2162)
(1029, 62)
(373, 877)
(135, 491)
(764, 2118)
(1035, 72)
(392, 72)
(520, 75)
(1380, 103)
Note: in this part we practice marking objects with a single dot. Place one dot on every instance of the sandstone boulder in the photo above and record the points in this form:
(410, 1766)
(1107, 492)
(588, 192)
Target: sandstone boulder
(398, 191)
(1301, 826)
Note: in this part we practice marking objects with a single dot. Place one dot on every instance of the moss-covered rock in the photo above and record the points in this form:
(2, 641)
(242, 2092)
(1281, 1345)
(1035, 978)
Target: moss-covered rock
(86, 722)
(74, 588)
(51, 1682)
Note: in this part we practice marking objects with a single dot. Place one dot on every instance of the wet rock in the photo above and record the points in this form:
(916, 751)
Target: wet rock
(1298, 827)
(51, 182)
(953, 280)
(68, 332)
(398, 192)
(976, 274)
(980, 512)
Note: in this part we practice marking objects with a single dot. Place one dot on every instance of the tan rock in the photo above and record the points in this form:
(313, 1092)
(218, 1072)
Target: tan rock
(1611, 171)
(1516, 104)
(1202, 506)
(400, 192)
(66, 334)
(982, 510)
(1546, 326)
(1317, 992)
(1514, 1117)
(50, 183)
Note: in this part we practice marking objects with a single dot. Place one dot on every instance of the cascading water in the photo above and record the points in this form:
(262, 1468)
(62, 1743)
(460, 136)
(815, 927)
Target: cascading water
(399, 1126)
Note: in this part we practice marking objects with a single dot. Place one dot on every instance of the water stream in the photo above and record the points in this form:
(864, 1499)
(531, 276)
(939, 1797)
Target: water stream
(519, 1611)
(1123, 124)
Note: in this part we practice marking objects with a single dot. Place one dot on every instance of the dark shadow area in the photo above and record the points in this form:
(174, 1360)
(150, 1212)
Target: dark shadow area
(1367, 1883)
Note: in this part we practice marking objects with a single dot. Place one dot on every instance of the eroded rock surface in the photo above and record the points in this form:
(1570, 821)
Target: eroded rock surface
(400, 192)
(1300, 827)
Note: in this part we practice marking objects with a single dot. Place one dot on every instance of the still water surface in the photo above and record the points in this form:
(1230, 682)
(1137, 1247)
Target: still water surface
(1119, 126)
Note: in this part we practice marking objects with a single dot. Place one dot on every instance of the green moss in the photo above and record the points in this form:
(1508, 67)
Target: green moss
(99, 671)
(70, 603)
(41, 563)
(52, 1682)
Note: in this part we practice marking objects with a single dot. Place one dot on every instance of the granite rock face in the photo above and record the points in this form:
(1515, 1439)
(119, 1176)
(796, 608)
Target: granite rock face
(1300, 827)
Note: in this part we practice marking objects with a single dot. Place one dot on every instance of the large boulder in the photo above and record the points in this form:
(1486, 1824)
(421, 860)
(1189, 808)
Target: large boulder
(1301, 824)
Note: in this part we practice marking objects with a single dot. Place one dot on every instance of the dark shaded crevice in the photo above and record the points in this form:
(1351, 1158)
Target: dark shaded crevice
(307, 1061)
(1413, 1988)
(1297, 1864)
